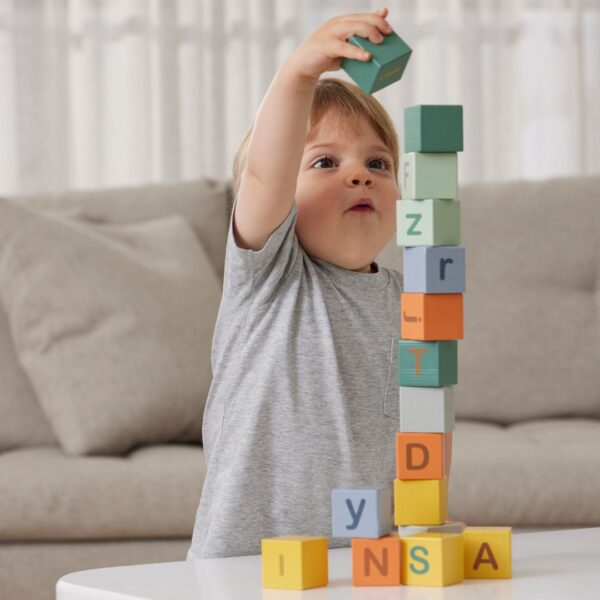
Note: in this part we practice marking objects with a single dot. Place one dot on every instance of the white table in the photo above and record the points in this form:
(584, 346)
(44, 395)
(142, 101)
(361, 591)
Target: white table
(548, 565)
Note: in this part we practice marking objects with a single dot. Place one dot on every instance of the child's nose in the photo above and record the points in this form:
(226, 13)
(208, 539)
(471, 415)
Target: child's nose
(355, 180)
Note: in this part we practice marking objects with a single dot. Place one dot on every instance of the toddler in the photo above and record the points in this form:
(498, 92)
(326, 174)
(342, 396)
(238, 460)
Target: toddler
(303, 351)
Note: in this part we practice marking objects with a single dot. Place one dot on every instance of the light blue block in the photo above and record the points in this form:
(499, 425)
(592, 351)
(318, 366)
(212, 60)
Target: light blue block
(362, 512)
(434, 269)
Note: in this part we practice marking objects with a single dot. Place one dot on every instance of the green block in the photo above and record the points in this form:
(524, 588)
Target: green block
(433, 128)
(388, 61)
(430, 222)
(425, 175)
(427, 364)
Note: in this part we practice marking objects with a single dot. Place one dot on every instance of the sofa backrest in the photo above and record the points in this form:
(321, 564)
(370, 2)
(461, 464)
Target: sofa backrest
(531, 346)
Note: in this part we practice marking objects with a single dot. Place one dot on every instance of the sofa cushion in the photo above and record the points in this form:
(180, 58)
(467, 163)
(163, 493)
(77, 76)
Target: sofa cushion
(151, 493)
(113, 325)
(531, 474)
(203, 203)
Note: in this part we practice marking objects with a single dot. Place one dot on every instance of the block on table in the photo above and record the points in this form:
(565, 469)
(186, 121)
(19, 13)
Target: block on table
(424, 175)
(376, 561)
(433, 128)
(420, 501)
(434, 269)
(430, 317)
(427, 364)
(362, 512)
(294, 562)
(432, 559)
(429, 222)
(428, 410)
(488, 552)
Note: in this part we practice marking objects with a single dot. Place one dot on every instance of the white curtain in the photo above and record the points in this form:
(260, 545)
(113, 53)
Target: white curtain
(97, 93)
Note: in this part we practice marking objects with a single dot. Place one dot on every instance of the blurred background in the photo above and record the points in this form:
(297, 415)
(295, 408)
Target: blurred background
(100, 93)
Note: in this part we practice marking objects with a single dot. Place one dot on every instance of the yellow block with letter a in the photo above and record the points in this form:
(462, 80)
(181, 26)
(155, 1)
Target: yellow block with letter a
(488, 552)
(434, 559)
(294, 562)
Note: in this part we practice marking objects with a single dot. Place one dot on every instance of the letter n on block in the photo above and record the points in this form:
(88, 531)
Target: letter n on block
(294, 562)
(488, 552)
(376, 562)
(362, 512)
(422, 455)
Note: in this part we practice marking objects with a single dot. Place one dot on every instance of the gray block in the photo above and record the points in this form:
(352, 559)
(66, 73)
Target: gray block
(426, 409)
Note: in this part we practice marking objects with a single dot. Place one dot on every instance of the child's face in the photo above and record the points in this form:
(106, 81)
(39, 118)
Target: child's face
(341, 163)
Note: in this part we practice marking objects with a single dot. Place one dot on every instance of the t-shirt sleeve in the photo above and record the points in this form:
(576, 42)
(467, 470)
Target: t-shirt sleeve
(260, 272)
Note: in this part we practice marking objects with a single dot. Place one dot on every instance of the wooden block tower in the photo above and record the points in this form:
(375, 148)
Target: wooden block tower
(400, 532)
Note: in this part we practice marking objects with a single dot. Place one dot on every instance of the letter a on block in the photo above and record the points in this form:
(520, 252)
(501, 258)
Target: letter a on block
(376, 562)
(488, 552)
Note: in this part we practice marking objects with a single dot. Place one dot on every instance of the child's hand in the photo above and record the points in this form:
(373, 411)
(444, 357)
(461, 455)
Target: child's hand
(324, 49)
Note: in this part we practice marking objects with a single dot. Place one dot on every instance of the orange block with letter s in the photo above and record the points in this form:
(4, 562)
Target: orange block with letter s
(431, 316)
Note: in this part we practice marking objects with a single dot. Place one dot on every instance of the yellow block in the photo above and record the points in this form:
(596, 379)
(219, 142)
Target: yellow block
(488, 552)
(434, 559)
(420, 501)
(294, 562)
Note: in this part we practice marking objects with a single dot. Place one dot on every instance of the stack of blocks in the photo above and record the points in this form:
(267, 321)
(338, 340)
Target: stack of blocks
(426, 548)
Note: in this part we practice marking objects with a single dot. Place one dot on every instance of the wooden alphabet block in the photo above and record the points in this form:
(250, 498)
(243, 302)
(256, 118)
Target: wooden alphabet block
(424, 175)
(424, 409)
(420, 501)
(431, 316)
(429, 222)
(294, 562)
(433, 128)
(448, 527)
(422, 455)
(388, 61)
(376, 562)
(433, 559)
(427, 364)
(434, 269)
(362, 512)
(488, 552)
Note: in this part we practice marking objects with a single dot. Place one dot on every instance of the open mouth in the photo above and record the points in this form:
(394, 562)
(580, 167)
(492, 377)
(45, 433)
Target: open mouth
(362, 208)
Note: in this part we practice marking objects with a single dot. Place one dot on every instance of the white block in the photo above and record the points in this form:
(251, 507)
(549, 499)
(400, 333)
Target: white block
(426, 409)
(449, 527)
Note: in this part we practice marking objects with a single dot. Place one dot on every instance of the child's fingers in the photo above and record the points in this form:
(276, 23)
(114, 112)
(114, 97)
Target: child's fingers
(373, 19)
(346, 50)
(360, 28)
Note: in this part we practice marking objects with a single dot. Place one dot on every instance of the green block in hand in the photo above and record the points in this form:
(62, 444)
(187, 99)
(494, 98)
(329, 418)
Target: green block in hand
(387, 63)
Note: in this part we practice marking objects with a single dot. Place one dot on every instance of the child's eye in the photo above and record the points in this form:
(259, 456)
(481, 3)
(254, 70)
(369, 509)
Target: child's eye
(325, 158)
(384, 161)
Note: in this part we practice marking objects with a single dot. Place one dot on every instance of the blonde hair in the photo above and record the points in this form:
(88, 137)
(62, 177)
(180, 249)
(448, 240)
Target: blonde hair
(346, 100)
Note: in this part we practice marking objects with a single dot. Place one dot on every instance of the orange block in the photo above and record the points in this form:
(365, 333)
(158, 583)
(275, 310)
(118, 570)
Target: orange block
(423, 455)
(376, 561)
(431, 316)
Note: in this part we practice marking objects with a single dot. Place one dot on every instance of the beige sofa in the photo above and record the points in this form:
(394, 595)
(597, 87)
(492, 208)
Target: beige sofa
(96, 470)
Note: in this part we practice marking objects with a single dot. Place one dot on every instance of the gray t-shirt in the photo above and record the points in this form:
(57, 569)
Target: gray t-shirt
(303, 394)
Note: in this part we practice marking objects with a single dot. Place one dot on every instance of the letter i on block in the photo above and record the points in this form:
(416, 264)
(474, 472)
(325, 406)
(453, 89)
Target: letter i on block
(488, 552)
(294, 562)
(362, 512)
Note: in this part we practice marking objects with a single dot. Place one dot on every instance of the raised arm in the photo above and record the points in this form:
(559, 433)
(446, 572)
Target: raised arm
(276, 145)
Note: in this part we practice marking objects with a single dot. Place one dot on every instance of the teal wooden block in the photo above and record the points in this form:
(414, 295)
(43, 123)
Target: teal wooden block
(430, 222)
(433, 128)
(432, 175)
(387, 64)
(427, 364)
